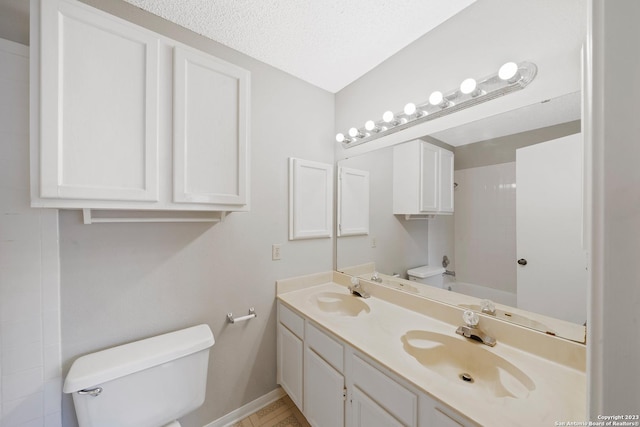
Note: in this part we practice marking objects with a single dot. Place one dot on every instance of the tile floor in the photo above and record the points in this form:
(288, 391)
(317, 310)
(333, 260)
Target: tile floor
(281, 413)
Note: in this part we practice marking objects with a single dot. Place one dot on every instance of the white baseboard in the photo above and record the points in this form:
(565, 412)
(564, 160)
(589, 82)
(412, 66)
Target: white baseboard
(248, 409)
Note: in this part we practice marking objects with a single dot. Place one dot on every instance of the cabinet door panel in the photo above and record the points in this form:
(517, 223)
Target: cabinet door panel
(367, 413)
(210, 130)
(446, 181)
(396, 399)
(353, 202)
(323, 392)
(326, 347)
(99, 112)
(429, 178)
(290, 354)
(310, 199)
(440, 419)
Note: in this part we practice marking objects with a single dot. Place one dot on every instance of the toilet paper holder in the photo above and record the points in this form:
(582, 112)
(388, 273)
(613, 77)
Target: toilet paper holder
(251, 315)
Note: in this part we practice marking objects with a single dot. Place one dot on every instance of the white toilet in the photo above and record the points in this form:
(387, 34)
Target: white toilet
(428, 275)
(147, 383)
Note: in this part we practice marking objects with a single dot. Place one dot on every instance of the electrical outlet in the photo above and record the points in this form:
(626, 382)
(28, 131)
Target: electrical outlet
(374, 242)
(275, 252)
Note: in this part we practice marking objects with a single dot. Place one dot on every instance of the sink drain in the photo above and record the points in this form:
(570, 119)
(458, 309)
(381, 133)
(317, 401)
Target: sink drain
(466, 377)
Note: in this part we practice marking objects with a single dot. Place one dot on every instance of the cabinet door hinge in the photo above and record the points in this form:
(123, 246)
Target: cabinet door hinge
(344, 394)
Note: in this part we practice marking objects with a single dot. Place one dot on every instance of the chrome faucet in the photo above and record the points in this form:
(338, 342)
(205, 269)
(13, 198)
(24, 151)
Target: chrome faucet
(375, 277)
(488, 307)
(357, 289)
(471, 330)
(445, 264)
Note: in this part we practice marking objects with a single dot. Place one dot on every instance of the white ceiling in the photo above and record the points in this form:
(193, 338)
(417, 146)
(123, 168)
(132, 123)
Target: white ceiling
(328, 43)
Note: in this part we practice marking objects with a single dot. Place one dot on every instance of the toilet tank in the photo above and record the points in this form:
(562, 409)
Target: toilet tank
(428, 275)
(146, 383)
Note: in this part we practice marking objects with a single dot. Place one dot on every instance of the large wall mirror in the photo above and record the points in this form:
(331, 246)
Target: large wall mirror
(516, 236)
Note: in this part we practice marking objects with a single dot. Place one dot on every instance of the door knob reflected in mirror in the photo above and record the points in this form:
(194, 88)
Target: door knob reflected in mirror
(522, 261)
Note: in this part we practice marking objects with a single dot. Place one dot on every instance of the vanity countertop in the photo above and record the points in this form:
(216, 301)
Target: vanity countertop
(555, 367)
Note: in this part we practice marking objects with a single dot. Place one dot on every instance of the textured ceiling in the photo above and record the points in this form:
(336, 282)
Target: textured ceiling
(328, 43)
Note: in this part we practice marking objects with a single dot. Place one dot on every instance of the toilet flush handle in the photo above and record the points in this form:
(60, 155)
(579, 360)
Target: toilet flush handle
(95, 392)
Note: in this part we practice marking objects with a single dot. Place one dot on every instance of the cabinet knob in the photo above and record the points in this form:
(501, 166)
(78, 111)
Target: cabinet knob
(522, 261)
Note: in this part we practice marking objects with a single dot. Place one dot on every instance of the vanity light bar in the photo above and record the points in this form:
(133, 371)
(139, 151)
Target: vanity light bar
(510, 77)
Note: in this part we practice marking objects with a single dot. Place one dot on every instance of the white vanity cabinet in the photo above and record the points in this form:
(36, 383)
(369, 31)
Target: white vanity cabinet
(435, 414)
(422, 179)
(124, 118)
(324, 386)
(377, 399)
(335, 385)
(290, 353)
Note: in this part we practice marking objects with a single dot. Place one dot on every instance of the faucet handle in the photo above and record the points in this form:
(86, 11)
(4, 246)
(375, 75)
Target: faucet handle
(355, 281)
(488, 306)
(470, 318)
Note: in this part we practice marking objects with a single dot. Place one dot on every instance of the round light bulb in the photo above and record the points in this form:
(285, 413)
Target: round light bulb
(388, 116)
(370, 125)
(410, 109)
(353, 132)
(340, 137)
(508, 71)
(468, 86)
(436, 98)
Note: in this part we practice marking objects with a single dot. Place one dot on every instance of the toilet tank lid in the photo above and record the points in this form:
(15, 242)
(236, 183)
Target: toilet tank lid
(425, 271)
(106, 365)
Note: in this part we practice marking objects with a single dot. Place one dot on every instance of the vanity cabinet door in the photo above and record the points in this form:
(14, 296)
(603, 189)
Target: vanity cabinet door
(324, 392)
(97, 123)
(378, 398)
(435, 414)
(290, 362)
(367, 413)
(290, 353)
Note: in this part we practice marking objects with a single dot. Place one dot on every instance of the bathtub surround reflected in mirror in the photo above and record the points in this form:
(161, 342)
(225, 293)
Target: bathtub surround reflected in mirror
(483, 239)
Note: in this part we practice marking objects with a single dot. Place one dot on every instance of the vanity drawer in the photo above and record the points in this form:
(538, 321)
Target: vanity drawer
(291, 320)
(327, 348)
(391, 396)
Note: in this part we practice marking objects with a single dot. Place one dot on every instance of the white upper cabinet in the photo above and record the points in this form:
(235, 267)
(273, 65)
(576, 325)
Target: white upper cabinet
(310, 199)
(353, 202)
(210, 129)
(422, 179)
(446, 181)
(124, 118)
(98, 106)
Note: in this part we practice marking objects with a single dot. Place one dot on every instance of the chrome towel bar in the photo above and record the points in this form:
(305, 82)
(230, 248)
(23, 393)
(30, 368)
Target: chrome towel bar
(251, 315)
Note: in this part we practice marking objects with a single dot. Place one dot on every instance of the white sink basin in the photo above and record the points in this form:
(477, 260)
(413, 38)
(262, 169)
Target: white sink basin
(467, 363)
(341, 304)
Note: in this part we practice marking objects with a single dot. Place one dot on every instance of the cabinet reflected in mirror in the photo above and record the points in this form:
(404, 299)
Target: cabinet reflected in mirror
(518, 196)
